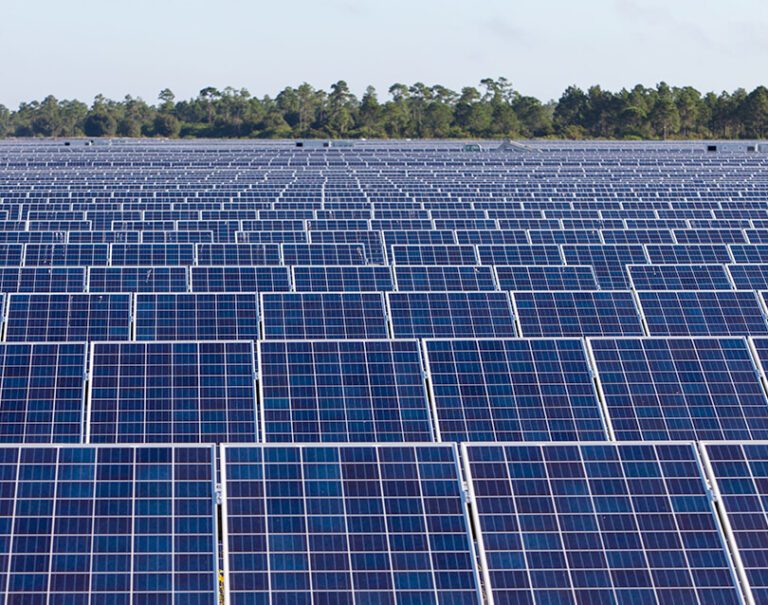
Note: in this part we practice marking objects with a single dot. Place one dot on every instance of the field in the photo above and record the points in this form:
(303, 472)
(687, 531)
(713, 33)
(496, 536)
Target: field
(383, 372)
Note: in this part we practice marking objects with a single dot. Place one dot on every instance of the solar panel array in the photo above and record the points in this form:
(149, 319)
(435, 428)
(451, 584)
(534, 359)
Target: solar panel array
(383, 373)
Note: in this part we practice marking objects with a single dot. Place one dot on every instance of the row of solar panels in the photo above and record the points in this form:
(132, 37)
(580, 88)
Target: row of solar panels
(385, 390)
(349, 315)
(367, 278)
(554, 523)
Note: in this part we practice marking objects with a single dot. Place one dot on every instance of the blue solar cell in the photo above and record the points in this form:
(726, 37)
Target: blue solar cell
(343, 391)
(602, 523)
(413, 278)
(346, 524)
(137, 279)
(371, 240)
(519, 255)
(42, 387)
(513, 390)
(343, 279)
(103, 237)
(710, 236)
(565, 236)
(324, 254)
(68, 317)
(304, 315)
(215, 316)
(149, 255)
(749, 253)
(11, 255)
(581, 313)
(450, 314)
(749, 277)
(42, 279)
(678, 277)
(738, 476)
(680, 389)
(176, 237)
(119, 525)
(66, 255)
(240, 279)
(271, 237)
(433, 254)
(687, 254)
(637, 236)
(490, 236)
(543, 277)
(702, 313)
(238, 254)
(173, 392)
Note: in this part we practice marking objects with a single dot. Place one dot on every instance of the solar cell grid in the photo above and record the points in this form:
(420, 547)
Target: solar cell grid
(597, 523)
(678, 277)
(580, 313)
(450, 314)
(738, 476)
(42, 279)
(42, 389)
(173, 392)
(343, 391)
(513, 390)
(434, 254)
(324, 254)
(196, 316)
(137, 279)
(343, 279)
(346, 524)
(310, 315)
(240, 279)
(607, 261)
(702, 313)
(68, 317)
(414, 278)
(520, 255)
(66, 255)
(680, 389)
(104, 524)
(549, 278)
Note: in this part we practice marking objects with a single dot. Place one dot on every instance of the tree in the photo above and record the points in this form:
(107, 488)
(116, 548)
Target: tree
(167, 125)
(99, 124)
(755, 113)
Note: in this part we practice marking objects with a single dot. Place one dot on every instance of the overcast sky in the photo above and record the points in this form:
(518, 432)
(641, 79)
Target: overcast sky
(79, 48)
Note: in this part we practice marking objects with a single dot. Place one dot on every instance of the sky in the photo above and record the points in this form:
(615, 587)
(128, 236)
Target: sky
(81, 48)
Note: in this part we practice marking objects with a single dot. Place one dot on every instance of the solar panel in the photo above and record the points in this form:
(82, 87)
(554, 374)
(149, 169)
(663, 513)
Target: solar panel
(542, 277)
(11, 254)
(370, 240)
(42, 279)
(173, 392)
(369, 278)
(519, 255)
(238, 254)
(414, 278)
(271, 237)
(637, 236)
(324, 254)
(688, 254)
(738, 476)
(65, 255)
(343, 391)
(240, 279)
(749, 253)
(450, 314)
(137, 279)
(103, 237)
(513, 390)
(597, 523)
(215, 316)
(580, 313)
(748, 277)
(68, 317)
(702, 313)
(678, 277)
(710, 236)
(152, 254)
(608, 262)
(85, 524)
(42, 387)
(311, 315)
(680, 389)
(490, 236)
(433, 254)
(346, 524)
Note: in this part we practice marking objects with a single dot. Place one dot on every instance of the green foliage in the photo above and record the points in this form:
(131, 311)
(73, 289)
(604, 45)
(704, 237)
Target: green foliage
(494, 109)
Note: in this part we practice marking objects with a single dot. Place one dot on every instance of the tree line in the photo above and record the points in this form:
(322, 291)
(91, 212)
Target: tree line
(494, 109)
